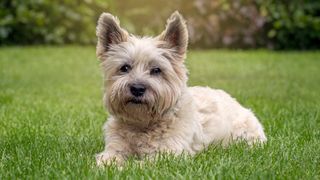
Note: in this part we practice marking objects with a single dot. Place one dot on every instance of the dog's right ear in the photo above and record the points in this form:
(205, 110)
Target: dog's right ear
(109, 33)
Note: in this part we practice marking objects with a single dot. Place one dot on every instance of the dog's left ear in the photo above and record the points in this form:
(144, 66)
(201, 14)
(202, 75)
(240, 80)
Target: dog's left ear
(176, 33)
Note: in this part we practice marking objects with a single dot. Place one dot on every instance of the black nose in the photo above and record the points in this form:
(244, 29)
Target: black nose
(137, 89)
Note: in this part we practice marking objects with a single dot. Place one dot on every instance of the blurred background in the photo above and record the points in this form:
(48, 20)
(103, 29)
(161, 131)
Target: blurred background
(278, 24)
(51, 85)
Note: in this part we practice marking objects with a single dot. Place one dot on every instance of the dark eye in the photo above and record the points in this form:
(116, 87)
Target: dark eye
(155, 71)
(125, 68)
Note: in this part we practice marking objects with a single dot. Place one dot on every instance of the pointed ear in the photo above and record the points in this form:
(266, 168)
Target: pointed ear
(176, 33)
(109, 32)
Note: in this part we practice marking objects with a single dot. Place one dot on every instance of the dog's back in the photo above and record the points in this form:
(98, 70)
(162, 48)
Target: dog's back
(223, 118)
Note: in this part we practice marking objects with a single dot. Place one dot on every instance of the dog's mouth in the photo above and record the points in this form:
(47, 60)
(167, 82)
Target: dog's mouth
(135, 101)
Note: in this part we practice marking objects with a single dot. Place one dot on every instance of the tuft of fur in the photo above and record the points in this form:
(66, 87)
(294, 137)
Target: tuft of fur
(169, 117)
(176, 34)
(109, 32)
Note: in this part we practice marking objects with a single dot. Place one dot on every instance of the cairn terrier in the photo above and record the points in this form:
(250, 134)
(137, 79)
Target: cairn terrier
(151, 108)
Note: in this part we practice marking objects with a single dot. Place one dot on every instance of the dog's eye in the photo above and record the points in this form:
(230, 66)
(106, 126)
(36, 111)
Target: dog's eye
(125, 68)
(155, 71)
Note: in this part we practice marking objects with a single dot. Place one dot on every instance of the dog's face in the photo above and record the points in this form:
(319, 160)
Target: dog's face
(144, 77)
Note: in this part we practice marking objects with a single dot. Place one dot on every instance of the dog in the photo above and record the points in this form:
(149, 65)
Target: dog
(151, 108)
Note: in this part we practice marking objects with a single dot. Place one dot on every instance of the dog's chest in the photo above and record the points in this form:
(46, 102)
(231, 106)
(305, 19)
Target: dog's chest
(142, 143)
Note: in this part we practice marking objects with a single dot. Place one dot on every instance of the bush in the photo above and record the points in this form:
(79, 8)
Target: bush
(278, 24)
(294, 24)
(46, 21)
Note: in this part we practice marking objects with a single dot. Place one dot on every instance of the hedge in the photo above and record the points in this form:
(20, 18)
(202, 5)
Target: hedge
(278, 24)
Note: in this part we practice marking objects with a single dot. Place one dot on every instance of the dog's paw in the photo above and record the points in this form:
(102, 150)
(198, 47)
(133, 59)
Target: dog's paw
(107, 159)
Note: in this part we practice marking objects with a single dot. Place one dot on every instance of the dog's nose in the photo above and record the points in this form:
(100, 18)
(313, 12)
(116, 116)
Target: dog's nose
(137, 89)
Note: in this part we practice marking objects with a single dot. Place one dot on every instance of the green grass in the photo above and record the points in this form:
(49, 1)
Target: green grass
(51, 115)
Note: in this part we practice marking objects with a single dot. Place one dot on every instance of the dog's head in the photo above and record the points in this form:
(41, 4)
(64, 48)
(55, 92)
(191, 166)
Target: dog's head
(144, 77)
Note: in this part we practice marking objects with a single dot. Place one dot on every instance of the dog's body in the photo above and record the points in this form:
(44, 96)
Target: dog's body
(152, 109)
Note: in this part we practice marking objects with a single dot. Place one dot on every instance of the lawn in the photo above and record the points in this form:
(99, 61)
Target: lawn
(51, 115)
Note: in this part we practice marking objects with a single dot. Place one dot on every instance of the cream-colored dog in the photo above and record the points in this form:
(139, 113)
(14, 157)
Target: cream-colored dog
(151, 108)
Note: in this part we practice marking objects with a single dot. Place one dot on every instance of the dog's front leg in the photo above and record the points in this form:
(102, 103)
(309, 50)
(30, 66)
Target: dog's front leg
(116, 151)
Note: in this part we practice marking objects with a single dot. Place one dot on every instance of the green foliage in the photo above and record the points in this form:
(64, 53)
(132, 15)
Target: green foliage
(47, 21)
(293, 24)
(220, 23)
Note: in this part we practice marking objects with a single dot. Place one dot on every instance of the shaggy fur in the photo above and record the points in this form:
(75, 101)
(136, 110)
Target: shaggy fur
(169, 116)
